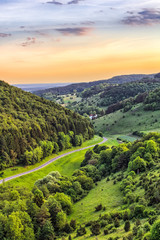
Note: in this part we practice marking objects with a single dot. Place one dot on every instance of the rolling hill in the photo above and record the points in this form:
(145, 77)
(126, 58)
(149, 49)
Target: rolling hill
(79, 87)
(30, 123)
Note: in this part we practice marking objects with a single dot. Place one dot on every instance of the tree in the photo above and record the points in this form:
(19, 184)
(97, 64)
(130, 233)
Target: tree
(65, 202)
(116, 222)
(47, 232)
(155, 231)
(38, 197)
(127, 226)
(42, 216)
(14, 227)
(137, 164)
(60, 220)
(95, 228)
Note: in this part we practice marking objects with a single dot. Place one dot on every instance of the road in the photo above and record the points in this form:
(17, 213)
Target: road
(48, 162)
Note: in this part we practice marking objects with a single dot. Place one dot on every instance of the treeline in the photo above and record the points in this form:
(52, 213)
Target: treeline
(47, 148)
(150, 100)
(139, 156)
(26, 120)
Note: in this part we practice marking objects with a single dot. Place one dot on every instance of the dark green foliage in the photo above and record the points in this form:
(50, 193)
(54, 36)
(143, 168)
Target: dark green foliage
(127, 226)
(69, 238)
(116, 222)
(47, 232)
(98, 207)
(155, 231)
(95, 228)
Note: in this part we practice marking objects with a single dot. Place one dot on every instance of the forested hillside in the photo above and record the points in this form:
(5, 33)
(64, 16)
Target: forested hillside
(98, 98)
(30, 126)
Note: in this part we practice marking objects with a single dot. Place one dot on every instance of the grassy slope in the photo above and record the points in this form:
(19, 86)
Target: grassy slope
(19, 169)
(125, 123)
(105, 193)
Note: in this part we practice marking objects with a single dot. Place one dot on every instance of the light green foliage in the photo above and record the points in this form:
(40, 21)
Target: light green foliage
(137, 164)
(60, 220)
(65, 202)
(38, 197)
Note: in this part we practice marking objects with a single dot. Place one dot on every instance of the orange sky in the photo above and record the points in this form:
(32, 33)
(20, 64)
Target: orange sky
(86, 48)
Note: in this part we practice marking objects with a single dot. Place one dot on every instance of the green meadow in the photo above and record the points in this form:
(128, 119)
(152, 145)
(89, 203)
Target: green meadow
(125, 123)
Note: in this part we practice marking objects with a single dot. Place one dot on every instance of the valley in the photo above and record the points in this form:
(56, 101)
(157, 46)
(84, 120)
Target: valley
(71, 185)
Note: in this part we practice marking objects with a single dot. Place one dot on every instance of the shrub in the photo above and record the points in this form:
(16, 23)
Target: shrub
(98, 207)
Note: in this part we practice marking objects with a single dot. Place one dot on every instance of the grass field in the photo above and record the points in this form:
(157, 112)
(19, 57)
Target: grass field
(19, 169)
(136, 119)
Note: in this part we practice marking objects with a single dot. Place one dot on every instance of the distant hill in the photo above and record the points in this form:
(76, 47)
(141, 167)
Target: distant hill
(96, 99)
(26, 119)
(79, 87)
(39, 86)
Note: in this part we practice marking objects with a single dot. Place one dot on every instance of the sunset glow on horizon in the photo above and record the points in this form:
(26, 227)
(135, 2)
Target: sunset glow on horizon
(79, 40)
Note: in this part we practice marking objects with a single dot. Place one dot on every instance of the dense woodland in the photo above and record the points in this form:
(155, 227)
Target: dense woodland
(30, 126)
(42, 213)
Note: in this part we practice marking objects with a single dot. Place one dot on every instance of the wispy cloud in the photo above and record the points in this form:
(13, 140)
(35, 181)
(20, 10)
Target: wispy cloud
(29, 41)
(79, 31)
(144, 17)
(4, 35)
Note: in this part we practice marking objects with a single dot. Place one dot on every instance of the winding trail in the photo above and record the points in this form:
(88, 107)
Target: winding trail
(48, 162)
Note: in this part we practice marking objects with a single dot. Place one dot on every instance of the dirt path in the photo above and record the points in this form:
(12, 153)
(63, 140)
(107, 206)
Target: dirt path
(48, 162)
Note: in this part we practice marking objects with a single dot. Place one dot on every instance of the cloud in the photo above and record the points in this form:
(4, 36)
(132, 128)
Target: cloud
(88, 23)
(4, 35)
(144, 17)
(55, 2)
(74, 2)
(29, 41)
(79, 31)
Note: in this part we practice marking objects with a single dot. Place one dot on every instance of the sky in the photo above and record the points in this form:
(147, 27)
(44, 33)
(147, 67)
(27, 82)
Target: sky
(47, 41)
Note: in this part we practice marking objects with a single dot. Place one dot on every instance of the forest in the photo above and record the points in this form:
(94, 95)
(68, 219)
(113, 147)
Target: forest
(30, 126)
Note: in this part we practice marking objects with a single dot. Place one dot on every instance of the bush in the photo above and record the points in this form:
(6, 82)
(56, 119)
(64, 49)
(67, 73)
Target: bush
(98, 208)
